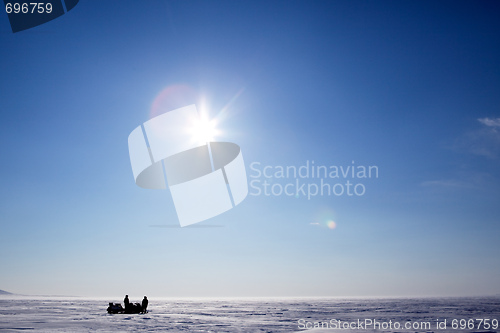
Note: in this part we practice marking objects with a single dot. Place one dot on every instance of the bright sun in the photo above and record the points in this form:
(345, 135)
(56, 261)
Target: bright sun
(203, 130)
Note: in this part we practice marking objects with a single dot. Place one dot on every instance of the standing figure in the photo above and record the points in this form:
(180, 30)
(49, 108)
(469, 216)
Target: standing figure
(126, 302)
(144, 304)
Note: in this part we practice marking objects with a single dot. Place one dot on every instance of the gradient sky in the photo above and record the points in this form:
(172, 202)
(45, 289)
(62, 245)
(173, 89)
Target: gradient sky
(411, 87)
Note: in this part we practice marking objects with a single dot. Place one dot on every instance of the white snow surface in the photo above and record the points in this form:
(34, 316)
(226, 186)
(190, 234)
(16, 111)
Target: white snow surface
(74, 314)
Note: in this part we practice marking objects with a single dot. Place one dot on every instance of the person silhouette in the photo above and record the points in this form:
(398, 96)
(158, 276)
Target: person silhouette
(144, 304)
(126, 301)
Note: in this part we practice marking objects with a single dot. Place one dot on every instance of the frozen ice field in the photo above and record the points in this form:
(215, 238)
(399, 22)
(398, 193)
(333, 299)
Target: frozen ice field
(71, 314)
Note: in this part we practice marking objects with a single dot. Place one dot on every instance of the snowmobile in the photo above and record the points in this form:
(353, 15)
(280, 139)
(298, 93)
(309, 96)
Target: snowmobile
(117, 308)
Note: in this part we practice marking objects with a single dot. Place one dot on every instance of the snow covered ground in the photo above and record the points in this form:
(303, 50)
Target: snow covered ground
(71, 314)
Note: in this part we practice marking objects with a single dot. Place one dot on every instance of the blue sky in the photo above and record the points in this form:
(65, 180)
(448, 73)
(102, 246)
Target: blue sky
(411, 87)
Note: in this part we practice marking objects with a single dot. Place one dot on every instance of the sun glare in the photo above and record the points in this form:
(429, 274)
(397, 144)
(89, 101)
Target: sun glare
(203, 130)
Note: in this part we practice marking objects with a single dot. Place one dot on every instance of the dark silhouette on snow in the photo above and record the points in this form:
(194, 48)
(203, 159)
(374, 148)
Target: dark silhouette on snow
(129, 307)
(145, 304)
(126, 302)
(134, 308)
(115, 308)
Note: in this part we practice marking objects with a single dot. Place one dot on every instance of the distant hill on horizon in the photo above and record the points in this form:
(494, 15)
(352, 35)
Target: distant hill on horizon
(3, 292)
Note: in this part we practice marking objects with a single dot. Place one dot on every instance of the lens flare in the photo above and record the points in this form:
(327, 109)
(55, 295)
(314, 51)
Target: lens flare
(331, 224)
(325, 218)
(173, 97)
